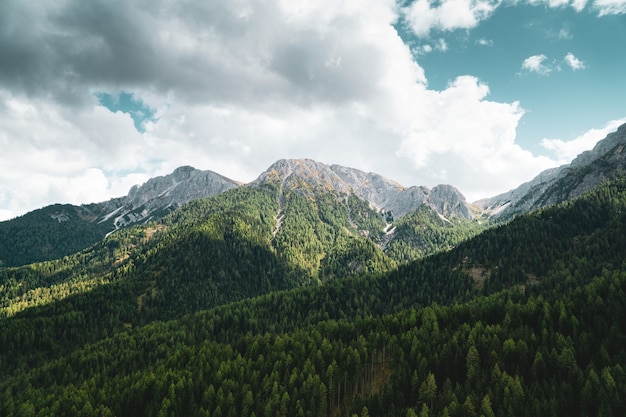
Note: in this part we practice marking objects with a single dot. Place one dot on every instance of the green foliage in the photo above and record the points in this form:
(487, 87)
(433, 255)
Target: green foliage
(48, 233)
(329, 236)
(525, 319)
(424, 232)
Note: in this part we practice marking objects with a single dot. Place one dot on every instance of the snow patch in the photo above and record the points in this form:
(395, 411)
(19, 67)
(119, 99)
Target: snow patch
(496, 211)
(60, 217)
(279, 217)
(111, 214)
(389, 230)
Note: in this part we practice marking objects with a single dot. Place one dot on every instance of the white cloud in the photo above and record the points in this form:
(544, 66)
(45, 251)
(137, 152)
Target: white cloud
(565, 33)
(608, 7)
(425, 16)
(579, 5)
(441, 45)
(573, 62)
(566, 151)
(558, 3)
(484, 42)
(422, 49)
(51, 154)
(236, 86)
(536, 63)
(472, 138)
(603, 7)
(539, 64)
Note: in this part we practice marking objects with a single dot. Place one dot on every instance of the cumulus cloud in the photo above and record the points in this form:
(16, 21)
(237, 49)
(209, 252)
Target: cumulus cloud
(425, 16)
(608, 7)
(234, 86)
(573, 62)
(537, 64)
(484, 42)
(566, 151)
(541, 65)
(602, 7)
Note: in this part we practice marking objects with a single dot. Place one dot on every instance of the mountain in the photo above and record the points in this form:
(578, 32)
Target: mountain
(416, 221)
(405, 223)
(59, 230)
(62, 229)
(308, 293)
(298, 224)
(606, 161)
(159, 196)
(524, 319)
(48, 233)
(381, 193)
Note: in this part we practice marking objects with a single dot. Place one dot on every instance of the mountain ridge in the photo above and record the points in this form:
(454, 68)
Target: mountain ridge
(61, 229)
(589, 169)
(527, 316)
(383, 194)
(46, 233)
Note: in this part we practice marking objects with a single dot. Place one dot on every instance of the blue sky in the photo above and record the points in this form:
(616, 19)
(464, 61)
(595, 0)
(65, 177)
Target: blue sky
(481, 94)
(128, 103)
(562, 98)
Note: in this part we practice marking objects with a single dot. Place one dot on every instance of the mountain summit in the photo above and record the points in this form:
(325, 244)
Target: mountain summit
(58, 230)
(160, 195)
(308, 176)
(606, 161)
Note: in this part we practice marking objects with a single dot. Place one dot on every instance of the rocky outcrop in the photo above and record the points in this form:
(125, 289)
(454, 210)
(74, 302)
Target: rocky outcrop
(159, 196)
(607, 160)
(307, 176)
(449, 202)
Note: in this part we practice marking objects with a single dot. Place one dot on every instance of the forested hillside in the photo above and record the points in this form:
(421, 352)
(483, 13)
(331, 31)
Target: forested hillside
(325, 197)
(525, 319)
(48, 233)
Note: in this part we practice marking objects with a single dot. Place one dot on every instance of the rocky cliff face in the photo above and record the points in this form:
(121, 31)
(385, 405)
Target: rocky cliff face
(308, 176)
(159, 196)
(449, 202)
(607, 160)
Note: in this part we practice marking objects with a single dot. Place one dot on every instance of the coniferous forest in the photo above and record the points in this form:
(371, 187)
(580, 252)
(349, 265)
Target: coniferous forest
(257, 303)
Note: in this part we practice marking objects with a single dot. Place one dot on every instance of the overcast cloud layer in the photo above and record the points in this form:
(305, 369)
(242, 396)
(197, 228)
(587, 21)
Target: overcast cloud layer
(233, 86)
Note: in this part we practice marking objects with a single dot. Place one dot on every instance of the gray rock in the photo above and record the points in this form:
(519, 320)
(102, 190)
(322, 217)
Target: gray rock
(607, 160)
(159, 196)
(307, 176)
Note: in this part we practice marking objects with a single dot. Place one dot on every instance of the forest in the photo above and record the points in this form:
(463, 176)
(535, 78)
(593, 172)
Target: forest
(216, 311)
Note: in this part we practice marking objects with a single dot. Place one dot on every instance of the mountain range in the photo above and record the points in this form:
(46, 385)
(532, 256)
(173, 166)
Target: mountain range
(59, 230)
(325, 291)
(606, 161)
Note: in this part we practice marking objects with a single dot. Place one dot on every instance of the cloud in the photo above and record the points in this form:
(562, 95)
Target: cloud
(602, 7)
(609, 7)
(539, 64)
(566, 151)
(573, 62)
(422, 49)
(234, 86)
(484, 42)
(439, 45)
(565, 33)
(536, 63)
(425, 16)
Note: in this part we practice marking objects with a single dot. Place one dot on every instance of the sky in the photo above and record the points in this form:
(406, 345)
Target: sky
(482, 94)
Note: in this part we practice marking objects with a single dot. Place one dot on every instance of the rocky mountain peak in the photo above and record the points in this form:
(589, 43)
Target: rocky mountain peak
(448, 201)
(305, 175)
(160, 195)
(607, 160)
